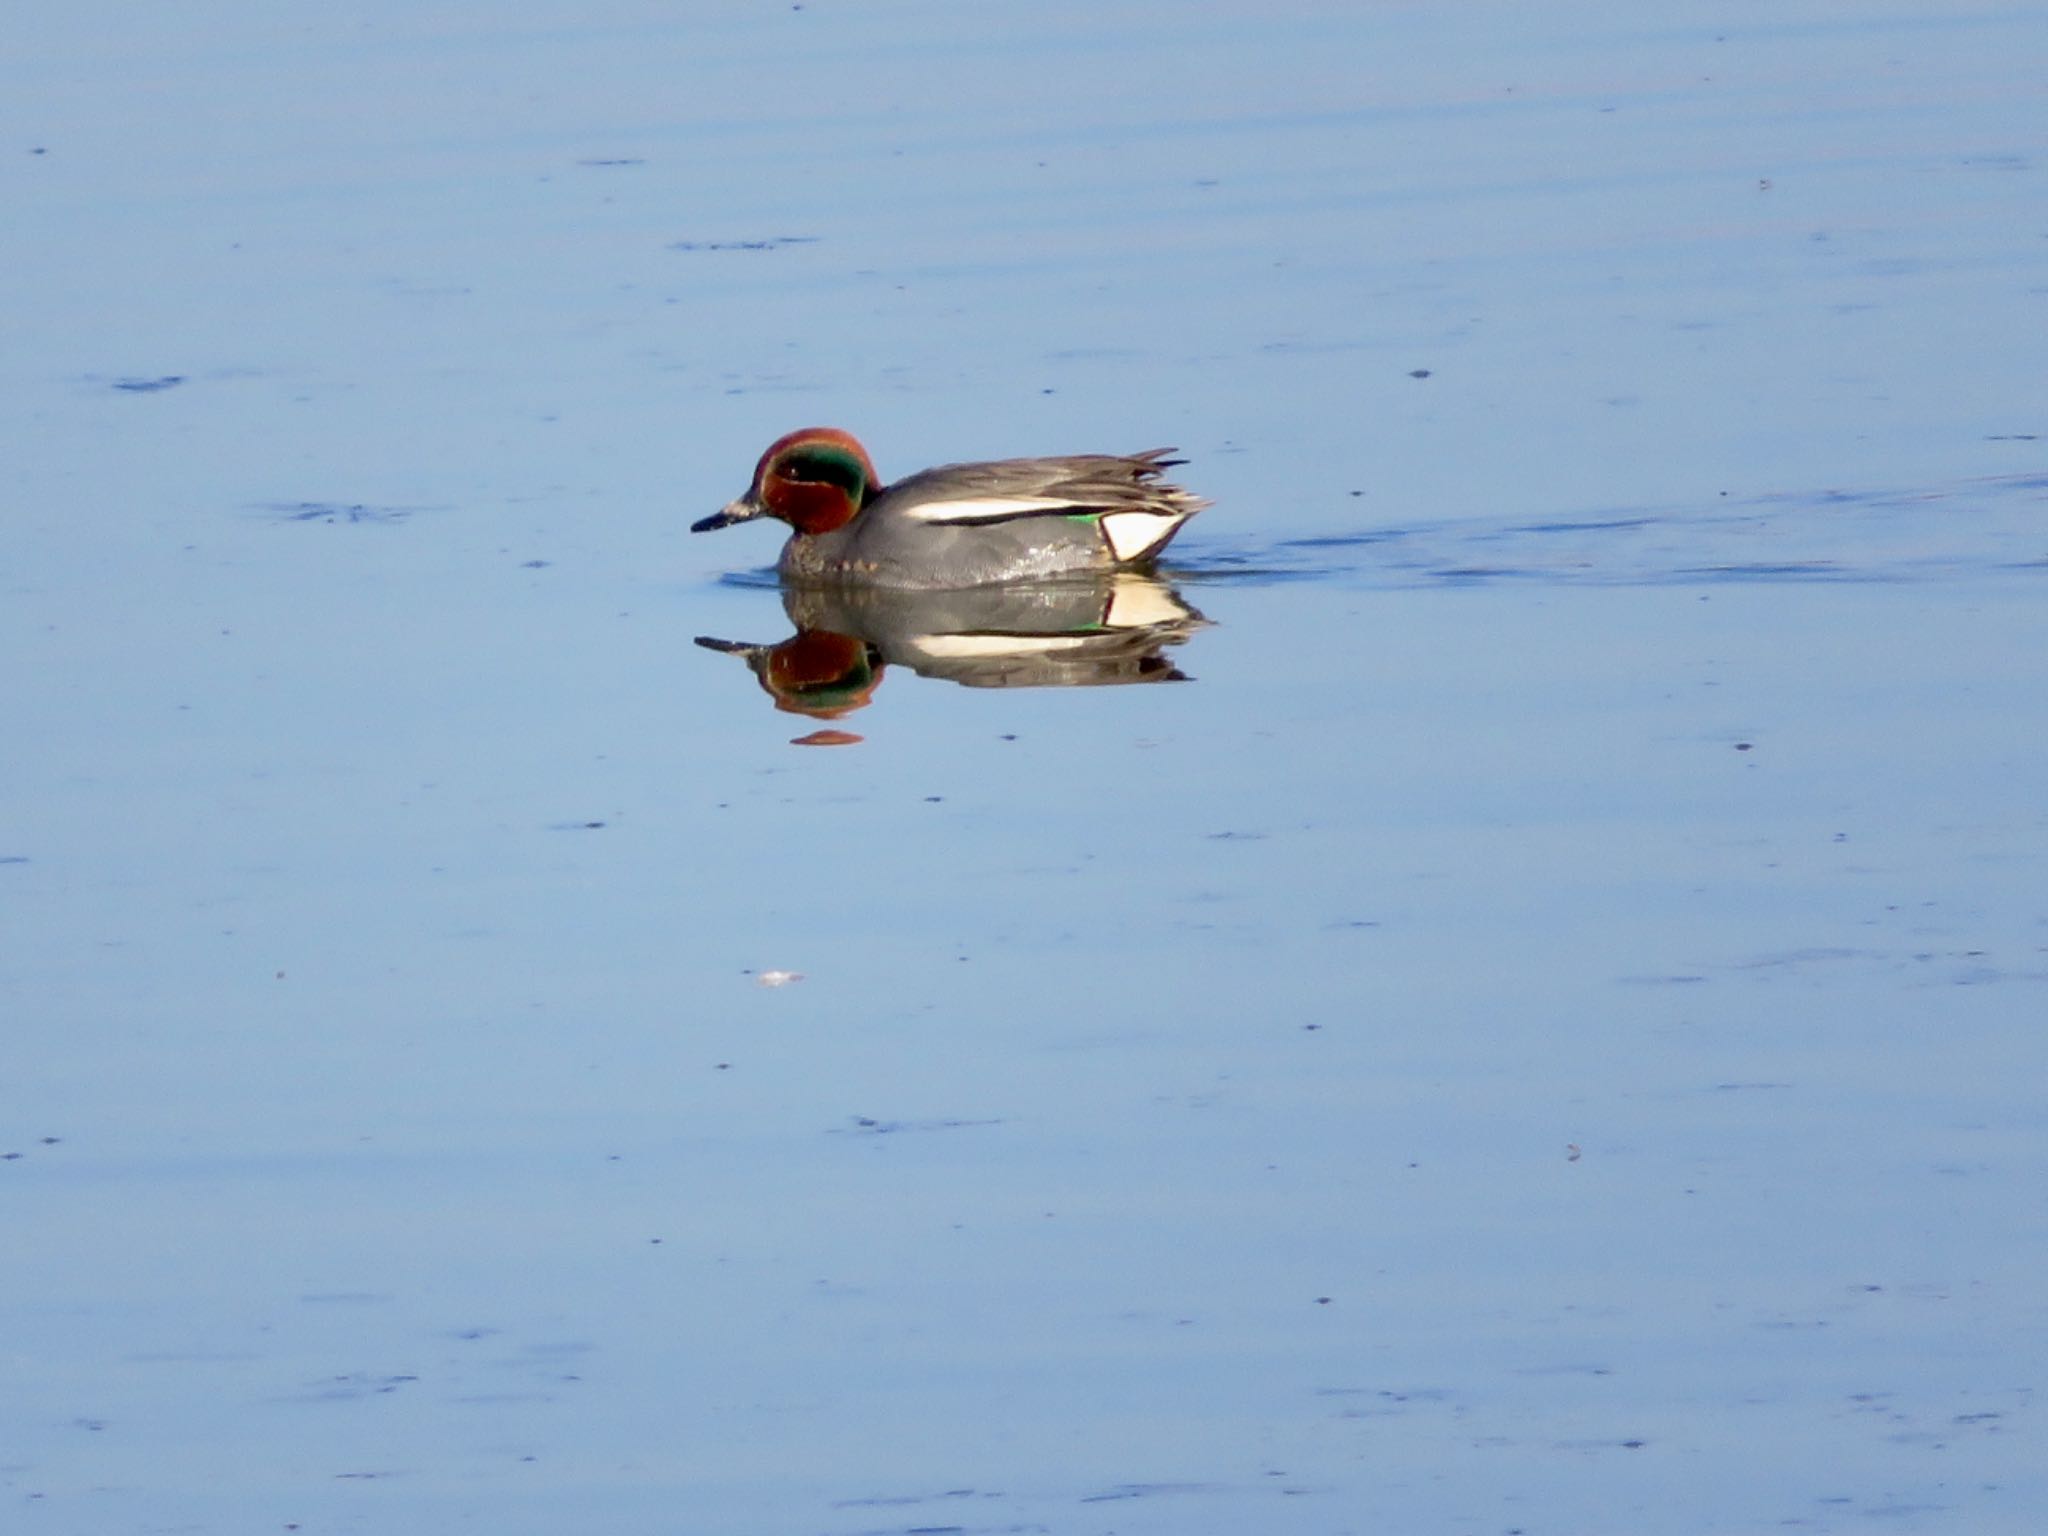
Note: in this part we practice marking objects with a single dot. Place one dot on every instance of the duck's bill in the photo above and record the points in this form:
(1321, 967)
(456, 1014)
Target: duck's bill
(732, 512)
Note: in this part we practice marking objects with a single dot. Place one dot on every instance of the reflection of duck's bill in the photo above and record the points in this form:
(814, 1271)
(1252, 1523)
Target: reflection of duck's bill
(729, 647)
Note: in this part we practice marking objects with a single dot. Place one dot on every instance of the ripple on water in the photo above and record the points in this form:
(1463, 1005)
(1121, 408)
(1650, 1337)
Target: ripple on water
(1969, 530)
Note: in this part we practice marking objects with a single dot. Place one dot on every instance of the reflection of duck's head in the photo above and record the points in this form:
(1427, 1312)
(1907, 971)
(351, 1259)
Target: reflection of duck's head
(814, 672)
(959, 525)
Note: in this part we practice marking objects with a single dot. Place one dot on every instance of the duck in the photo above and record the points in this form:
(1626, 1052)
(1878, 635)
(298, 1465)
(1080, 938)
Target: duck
(959, 525)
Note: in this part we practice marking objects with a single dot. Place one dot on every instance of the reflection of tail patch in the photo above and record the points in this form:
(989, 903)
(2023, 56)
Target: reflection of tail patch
(1140, 602)
(1134, 535)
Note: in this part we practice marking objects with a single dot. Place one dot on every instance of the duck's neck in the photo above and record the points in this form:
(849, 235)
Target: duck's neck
(815, 507)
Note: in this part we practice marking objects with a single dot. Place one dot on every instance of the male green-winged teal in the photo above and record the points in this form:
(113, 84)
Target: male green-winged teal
(959, 525)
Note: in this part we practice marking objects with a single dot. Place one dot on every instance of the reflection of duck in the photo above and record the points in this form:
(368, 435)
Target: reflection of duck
(1044, 635)
(960, 525)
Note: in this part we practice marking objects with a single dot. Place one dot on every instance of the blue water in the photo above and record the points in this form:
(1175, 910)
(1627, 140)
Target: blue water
(1541, 1030)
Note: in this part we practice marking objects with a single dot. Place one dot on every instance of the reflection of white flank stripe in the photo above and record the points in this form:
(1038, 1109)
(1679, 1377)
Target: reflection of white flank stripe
(986, 507)
(1132, 535)
(986, 647)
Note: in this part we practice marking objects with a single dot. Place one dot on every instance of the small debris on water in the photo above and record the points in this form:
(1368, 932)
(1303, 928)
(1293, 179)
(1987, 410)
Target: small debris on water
(337, 512)
(867, 1125)
(773, 243)
(1571, 1152)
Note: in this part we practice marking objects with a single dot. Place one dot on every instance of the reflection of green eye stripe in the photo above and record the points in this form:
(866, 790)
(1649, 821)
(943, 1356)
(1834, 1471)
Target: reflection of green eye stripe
(851, 684)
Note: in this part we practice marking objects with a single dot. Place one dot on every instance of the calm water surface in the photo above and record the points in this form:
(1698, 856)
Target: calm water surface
(1538, 1028)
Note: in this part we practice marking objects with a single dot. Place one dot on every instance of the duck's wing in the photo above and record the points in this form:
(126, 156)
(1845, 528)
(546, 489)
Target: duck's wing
(1123, 494)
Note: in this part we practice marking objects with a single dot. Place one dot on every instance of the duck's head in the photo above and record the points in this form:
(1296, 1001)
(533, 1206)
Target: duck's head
(815, 479)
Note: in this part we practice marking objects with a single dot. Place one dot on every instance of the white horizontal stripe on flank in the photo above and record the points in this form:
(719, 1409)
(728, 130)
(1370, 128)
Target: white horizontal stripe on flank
(987, 506)
(1131, 534)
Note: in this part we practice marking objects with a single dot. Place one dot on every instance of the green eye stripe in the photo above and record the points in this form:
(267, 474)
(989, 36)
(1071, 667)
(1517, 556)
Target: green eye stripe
(823, 464)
